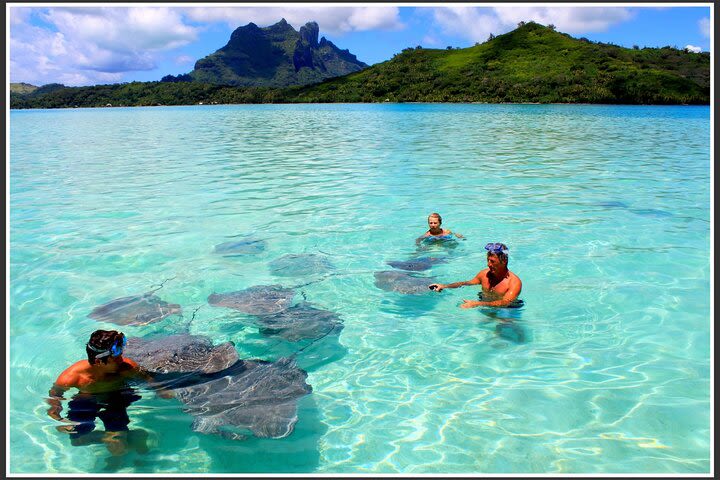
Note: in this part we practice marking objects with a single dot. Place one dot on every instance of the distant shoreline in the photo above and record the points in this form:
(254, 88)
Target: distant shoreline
(373, 103)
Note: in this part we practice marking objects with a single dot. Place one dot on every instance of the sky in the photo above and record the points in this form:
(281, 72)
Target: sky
(102, 43)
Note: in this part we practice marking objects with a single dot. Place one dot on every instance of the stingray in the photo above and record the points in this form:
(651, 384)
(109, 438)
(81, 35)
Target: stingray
(437, 242)
(402, 282)
(300, 321)
(241, 247)
(300, 264)
(417, 264)
(250, 395)
(180, 353)
(135, 310)
(612, 204)
(651, 212)
(257, 300)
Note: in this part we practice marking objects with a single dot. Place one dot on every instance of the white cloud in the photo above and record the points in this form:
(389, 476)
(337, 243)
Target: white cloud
(693, 48)
(476, 23)
(122, 29)
(19, 15)
(91, 45)
(332, 20)
(566, 19)
(184, 60)
(430, 40)
(704, 24)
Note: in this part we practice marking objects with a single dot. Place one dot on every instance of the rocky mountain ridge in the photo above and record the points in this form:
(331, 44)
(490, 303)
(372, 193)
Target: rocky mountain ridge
(275, 56)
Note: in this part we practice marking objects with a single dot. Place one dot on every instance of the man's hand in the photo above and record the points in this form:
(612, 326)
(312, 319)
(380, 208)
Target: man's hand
(470, 304)
(68, 428)
(438, 287)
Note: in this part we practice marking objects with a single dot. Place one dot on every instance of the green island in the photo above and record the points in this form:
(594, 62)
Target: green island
(531, 64)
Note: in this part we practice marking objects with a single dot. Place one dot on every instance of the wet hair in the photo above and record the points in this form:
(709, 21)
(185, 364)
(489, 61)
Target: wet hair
(436, 215)
(503, 257)
(101, 341)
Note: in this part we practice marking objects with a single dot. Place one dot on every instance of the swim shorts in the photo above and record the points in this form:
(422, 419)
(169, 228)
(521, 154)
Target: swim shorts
(110, 407)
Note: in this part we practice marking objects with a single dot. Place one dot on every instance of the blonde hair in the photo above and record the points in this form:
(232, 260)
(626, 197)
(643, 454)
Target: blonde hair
(437, 215)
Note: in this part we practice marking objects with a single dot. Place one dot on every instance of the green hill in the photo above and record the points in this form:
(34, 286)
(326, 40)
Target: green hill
(22, 88)
(533, 63)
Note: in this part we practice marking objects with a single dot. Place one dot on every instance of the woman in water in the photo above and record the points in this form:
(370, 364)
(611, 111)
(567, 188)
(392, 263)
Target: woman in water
(435, 230)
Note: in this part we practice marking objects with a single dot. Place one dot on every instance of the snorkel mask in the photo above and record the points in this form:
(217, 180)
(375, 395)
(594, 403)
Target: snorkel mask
(115, 351)
(497, 248)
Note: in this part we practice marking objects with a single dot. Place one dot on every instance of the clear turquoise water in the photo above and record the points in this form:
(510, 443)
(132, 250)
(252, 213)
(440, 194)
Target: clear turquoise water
(614, 372)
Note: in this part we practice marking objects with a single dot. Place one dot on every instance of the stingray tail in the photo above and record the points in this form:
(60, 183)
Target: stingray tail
(189, 322)
(315, 340)
(334, 274)
(160, 285)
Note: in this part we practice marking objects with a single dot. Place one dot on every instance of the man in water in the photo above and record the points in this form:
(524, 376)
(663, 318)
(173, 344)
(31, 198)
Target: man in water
(500, 287)
(102, 382)
(435, 229)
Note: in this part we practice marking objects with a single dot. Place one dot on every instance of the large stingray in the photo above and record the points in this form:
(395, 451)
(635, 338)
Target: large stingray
(300, 264)
(135, 310)
(402, 282)
(180, 353)
(300, 321)
(255, 396)
(247, 246)
(651, 212)
(257, 300)
(417, 264)
(249, 396)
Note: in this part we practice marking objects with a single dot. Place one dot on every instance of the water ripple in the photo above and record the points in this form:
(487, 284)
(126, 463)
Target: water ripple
(605, 209)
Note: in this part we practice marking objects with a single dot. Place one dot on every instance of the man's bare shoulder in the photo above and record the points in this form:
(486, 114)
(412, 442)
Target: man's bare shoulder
(514, 279)
(72, 375)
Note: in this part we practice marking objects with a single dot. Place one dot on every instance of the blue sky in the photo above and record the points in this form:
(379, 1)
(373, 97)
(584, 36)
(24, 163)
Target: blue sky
(104, 43)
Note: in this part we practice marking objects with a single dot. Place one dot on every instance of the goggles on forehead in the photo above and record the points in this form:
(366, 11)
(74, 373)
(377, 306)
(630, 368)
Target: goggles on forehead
(115, 351)
(496, 248)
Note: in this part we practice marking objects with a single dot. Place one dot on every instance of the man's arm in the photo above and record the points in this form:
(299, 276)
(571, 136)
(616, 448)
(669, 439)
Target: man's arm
(68, 379)
(510, 295)
(439, 287)
(150, 381)
(55, 398)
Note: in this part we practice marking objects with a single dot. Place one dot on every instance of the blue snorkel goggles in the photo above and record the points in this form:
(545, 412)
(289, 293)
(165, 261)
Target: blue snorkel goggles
(496, 248)
(115, 351)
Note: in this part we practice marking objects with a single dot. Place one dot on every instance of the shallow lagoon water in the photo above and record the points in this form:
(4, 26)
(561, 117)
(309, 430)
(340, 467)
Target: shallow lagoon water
(605, 209)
